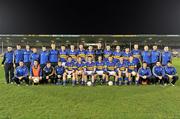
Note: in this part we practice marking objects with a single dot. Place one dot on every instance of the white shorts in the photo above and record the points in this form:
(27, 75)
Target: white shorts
(79, 72)
(100, 72)
(89, 72)
(69, 72)
(63, 64)
(111, 72)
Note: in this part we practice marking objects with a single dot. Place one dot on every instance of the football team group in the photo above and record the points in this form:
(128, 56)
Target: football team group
(95, 66)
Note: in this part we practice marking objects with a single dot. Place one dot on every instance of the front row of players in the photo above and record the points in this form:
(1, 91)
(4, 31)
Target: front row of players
(123, 73)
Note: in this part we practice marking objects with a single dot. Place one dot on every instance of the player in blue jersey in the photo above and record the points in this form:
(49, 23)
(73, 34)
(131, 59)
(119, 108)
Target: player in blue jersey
(170, 74)
(117, 54)
(81, 52)
(100, 70)
(59, 71)
(34, 56)
(44, 57)
(107, 53)
(126, 54)
(72, 52)
(48, 73)
(63, 55)
(69, 71)
(18, 55)
(79, 66)
(158, 74)
(89, 70)
(132, 71)
(21, 73)
(90, 52)
(53, 55)
(110, 68)
(166, 56)
(155, 56)
(146, 56)
(121, 69)
(8, 65)
(144, 74)
(136, 52)
(27, 54)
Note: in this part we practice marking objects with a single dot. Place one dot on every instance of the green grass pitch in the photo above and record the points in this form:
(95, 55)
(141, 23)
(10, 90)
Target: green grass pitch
(100, 102)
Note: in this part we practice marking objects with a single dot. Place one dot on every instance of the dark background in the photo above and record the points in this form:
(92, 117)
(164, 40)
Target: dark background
(90, 17)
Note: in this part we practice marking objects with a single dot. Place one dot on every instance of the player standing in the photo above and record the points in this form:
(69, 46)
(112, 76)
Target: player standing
(44, 57)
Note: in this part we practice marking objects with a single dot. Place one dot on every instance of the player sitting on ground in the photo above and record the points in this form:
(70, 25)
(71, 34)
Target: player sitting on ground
(144, 74)
(121, 69)
(132, 71)
(35, 73)
(79, 70)
(110, 67)
(59, 71)
(170, 74)
(48, 73)
(158, 74)
(100, 69)
(90, 68)
(21, 73)
(69, 71)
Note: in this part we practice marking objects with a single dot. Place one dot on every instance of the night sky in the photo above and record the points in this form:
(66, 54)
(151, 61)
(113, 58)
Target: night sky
(90, 17)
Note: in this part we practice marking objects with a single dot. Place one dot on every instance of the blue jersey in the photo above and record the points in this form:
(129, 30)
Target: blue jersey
(110, 66)
(48, 70)
(18, 55)
(122, 66)
(21, 71)
(27, 54)
(131, 66)
(33, 57)
(53, 56)
(155, 56)
(8, 57)
(90, 53)
(136, 53)
(116, 56)
(107, 54)
(82, 54)
(72, 54)
(59, 70)
(100, 66)
(144, 72)
(126, 56)
(44, 57)
(79, 66)
(146, 57)
(63, 55)
(170, 70)
(69, 66)
(158, 71)
(166, 57)
(90, 66)
(136, 60)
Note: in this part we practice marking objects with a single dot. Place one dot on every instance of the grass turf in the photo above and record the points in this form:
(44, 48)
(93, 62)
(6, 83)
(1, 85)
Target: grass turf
(100, 102)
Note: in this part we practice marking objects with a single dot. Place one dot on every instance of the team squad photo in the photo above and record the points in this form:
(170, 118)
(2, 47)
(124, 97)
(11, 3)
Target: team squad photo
(92, 66)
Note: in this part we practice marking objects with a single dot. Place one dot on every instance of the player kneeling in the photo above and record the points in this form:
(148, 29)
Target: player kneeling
(79, 70)
(132, 71)
(35, 73)
(59, 71)
(158, 74)
(171, 74)
(144, 74)
(89, 70)
(48, 74)
(69, 71)
(100, 70)
(121, 68)
(110, 67)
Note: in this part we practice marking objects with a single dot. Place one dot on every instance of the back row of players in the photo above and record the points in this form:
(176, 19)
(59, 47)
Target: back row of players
(81, 65)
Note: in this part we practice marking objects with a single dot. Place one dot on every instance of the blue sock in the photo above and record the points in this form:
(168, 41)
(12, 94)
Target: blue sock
(125, 78)
(120, 79)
